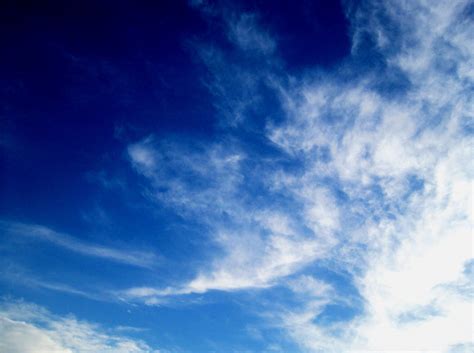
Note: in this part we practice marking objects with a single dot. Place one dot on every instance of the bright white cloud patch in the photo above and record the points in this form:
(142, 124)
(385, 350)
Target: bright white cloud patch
(28, 328)
(414, 259)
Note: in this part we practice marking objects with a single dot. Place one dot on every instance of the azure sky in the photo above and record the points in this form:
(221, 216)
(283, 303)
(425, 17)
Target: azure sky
(236, 176)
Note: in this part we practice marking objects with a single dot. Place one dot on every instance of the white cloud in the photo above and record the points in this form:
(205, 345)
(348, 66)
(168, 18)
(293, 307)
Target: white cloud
(412, 258)
(186, 177)
(405, 246)
(253, 261)
(249, 261)
(26, 328)
(259, 246)
(129, 257)
(245, 32)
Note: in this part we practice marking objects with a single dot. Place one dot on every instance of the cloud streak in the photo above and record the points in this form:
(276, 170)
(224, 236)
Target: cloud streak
(128, 257)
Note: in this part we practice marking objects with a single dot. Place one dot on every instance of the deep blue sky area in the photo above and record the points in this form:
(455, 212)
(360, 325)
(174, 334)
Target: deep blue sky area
(235, 176)
(74, 74)
(81, 78)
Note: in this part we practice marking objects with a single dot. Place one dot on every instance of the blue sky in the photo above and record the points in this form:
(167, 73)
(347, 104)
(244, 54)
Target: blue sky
(236, 176)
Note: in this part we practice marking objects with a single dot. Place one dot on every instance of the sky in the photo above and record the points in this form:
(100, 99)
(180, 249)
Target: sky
(236, 176)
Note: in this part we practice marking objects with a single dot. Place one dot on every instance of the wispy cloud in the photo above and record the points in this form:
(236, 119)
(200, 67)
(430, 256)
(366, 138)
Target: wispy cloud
(260, 244)
(383, 188)
(245, 32)
(20, 277)
(129, 257)
(415, 236)
(26, 328)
